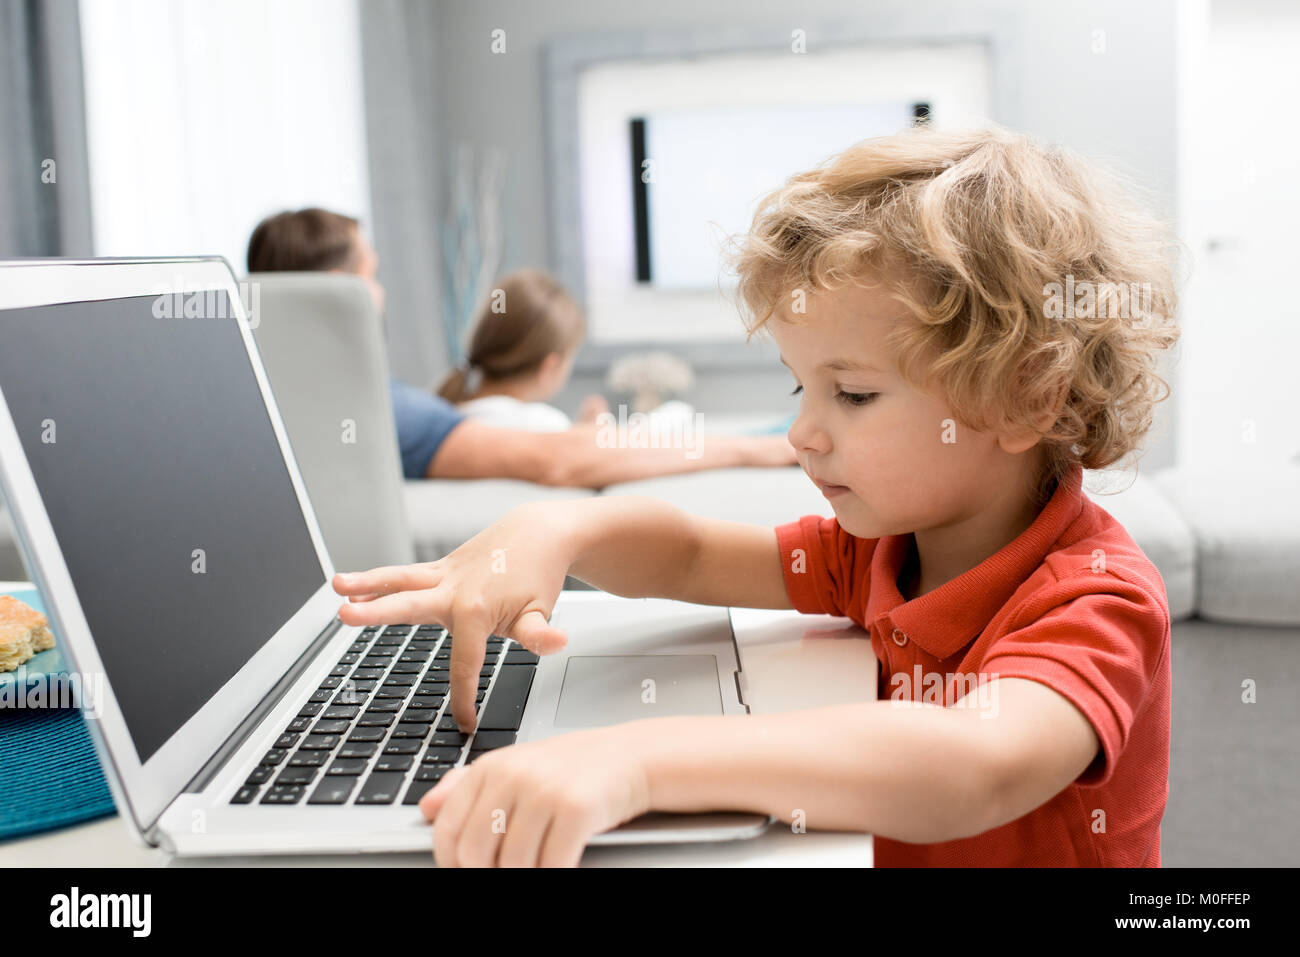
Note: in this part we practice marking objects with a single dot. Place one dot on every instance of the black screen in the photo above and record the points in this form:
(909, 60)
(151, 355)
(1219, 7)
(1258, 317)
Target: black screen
(167, 491)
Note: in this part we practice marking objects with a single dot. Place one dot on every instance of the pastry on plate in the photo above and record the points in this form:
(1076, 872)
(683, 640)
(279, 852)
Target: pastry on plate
(24, 631)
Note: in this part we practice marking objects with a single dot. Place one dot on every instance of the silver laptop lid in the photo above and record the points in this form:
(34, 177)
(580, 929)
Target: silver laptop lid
(158, 503)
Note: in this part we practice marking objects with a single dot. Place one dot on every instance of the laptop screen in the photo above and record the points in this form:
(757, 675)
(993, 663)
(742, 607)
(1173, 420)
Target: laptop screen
(167, 491)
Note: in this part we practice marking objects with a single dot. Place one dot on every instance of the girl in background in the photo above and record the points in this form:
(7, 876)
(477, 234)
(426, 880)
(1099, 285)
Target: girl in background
(521, 353)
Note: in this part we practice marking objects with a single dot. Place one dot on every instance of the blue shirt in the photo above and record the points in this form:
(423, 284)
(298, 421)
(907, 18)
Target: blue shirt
(423, 421)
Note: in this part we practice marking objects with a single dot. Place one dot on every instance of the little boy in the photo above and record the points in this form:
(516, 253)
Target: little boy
(949, 403)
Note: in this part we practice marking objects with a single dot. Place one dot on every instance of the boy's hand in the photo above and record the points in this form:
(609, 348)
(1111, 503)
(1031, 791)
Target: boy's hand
(502, 581)
(537, 804)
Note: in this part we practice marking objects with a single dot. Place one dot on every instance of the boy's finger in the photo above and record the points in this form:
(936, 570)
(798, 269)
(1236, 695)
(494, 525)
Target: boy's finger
(469, 632)
(534, 632)
(408, 607)
(385, 581)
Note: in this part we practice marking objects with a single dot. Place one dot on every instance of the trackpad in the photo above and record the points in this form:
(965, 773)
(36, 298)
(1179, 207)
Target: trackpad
(600, 691)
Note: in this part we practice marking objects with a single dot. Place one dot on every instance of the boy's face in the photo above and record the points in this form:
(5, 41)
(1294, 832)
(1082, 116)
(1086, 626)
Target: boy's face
(901, 460)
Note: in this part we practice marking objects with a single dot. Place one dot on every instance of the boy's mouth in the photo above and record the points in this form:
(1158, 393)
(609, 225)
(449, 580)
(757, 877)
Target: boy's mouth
(830, 490)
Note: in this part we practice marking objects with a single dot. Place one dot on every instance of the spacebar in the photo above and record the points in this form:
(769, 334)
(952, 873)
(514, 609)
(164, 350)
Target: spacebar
(505, 704)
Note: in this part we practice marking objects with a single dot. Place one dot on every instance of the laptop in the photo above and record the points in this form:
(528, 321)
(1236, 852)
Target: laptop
(163, 516)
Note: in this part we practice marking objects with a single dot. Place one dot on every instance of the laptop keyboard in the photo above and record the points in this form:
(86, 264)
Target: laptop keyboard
(379, 729)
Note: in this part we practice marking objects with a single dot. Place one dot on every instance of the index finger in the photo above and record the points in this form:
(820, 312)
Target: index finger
(385, 580)
(470, 629)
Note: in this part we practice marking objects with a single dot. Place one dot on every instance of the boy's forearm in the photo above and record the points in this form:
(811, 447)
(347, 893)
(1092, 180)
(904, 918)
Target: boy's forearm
(908, 773)
(629, 545)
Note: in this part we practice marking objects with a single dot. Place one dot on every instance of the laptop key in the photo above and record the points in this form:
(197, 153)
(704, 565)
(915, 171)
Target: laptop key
(381, 788)
(310, 710)
(358, 749)
(417, 790)
(491, 740)
(286, 740)
(341, 671)
(433, 773)
(288, 794)
(347, 767)
(448, 739)
(506, 706)
(419, 715)
(308, 759)
(385, 704)
(245, 794)
(402, 746)
(415, 731)
(375, 719)
(344, 711)
(332, 791)
(331, 727)
(394, 762)
(274, 756)
(433, 702)
(441, 756)
(321, 696)
(298, 725)
(320, 742)
(411, 668)
(296, 776)
(362, 735)
(260, 775)
(521, 656)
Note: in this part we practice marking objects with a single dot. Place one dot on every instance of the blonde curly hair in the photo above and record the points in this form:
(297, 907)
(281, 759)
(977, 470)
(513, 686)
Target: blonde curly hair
(989, 228)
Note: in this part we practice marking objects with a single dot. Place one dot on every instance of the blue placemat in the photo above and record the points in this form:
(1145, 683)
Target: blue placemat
(49, 773)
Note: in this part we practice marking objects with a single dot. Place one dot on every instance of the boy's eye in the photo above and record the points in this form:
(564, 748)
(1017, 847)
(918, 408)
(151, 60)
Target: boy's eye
(848, 398)
(856, 398)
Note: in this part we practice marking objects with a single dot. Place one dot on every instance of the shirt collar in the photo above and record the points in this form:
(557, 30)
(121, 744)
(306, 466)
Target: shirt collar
(947, 619)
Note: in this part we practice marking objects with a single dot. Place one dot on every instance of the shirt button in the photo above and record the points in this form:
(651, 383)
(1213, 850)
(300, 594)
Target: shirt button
(900, 638)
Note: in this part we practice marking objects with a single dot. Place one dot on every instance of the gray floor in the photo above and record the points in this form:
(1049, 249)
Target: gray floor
(1234, 768)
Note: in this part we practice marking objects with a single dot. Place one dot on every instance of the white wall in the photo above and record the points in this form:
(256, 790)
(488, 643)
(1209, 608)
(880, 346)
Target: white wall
(1240, 203)
(204, 116)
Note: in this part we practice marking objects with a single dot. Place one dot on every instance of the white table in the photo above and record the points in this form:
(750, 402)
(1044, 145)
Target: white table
(790, 661)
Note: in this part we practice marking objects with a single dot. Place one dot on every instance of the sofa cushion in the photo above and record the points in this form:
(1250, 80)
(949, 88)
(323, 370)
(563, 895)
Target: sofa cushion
(446, 513)
(1156, 526)
(1246, 523)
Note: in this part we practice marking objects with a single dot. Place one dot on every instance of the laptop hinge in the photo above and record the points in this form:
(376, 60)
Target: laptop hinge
(256, 716)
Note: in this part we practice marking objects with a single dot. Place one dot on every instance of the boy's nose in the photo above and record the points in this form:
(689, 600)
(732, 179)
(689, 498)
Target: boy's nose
(805, 435)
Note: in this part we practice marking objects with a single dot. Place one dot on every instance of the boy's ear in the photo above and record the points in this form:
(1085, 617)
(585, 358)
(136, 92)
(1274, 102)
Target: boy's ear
(1015, 443)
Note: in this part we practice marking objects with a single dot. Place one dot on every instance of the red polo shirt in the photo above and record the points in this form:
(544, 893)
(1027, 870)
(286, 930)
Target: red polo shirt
(1071, 603)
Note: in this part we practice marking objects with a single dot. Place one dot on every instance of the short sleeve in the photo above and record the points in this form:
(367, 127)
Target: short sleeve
(821, 564)
(423, 421)
(1102, 651)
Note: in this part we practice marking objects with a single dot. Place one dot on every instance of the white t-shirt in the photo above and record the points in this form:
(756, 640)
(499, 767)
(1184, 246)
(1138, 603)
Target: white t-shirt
(508, 412)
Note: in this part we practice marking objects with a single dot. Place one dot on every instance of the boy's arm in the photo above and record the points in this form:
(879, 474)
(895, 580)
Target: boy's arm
(909, 771)
(641, 547)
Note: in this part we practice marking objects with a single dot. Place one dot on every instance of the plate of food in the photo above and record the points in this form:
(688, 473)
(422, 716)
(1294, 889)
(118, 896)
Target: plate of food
(28, 650)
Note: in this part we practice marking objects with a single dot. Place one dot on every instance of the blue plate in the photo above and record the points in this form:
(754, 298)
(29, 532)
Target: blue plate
(44, 666)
